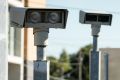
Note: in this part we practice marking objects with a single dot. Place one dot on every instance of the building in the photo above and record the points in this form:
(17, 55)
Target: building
(30, 50)
(21, 49)
(114, 63)
(3, 40)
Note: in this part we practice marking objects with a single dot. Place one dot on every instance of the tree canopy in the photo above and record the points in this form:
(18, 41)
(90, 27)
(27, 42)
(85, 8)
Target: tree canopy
(67, 66)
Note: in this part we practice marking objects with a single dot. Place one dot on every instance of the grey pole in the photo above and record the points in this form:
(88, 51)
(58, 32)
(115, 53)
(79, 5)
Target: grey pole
(80, 70)
(40, 52)
(94, 56)
(80, 65)
(41, 65)
(94, 61)
(95, 43)
(106, 66)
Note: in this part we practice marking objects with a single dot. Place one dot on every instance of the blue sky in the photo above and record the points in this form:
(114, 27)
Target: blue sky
(77, 35)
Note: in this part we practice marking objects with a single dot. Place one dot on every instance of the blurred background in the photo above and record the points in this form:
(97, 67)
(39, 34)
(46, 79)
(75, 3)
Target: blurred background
(68, 49)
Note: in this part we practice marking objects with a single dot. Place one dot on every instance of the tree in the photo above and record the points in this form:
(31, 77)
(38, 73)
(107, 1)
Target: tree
(75, 61)
(54, 66)
(59, 66)
(68, 65)
(74, 64)
(64, 61)
(85, 63)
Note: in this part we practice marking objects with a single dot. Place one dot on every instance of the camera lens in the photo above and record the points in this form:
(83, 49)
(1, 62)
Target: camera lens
(53, 17)
(35, 17)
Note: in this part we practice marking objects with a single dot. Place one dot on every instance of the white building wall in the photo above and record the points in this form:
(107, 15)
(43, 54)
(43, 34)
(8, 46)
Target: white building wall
(16, 48)
(3, 40)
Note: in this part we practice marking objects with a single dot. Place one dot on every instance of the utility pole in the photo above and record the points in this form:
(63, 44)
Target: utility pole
(62, 73)
(80, 65)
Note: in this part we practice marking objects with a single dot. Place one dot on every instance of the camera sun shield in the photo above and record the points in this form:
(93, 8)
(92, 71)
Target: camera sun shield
(95, 18)
(38, 18)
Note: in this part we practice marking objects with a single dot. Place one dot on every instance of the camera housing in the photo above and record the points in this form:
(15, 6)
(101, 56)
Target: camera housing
(38, 17)
(95, 18)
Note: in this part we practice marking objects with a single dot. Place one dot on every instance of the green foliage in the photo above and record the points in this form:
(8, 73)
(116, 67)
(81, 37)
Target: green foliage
(85, 63)
(68, 65)
(54, 66)
(74, 72)
(83, 53)
(64, 57)
(86, 49)
(59, 66)
(64, 61)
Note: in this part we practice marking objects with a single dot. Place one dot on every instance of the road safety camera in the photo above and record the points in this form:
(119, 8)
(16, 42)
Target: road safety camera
(40, 20)
(38, 17)
(96, 19)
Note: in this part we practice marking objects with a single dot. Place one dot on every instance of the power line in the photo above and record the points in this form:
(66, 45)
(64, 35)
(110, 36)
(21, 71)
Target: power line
(73, 8)
(76, 8)
(65, 62)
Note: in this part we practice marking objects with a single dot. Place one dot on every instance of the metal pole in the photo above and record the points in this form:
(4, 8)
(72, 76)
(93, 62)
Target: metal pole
(62, 73)
(95, 43)
(94, 56)
(80, 65)
(41, 65)
(106, 66)
(40, 53)
(94, 60)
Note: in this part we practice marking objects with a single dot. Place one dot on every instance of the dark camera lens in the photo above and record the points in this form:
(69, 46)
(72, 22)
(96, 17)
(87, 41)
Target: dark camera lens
(91, 17)
(35, 17)
(53, 17)
(104, 18)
